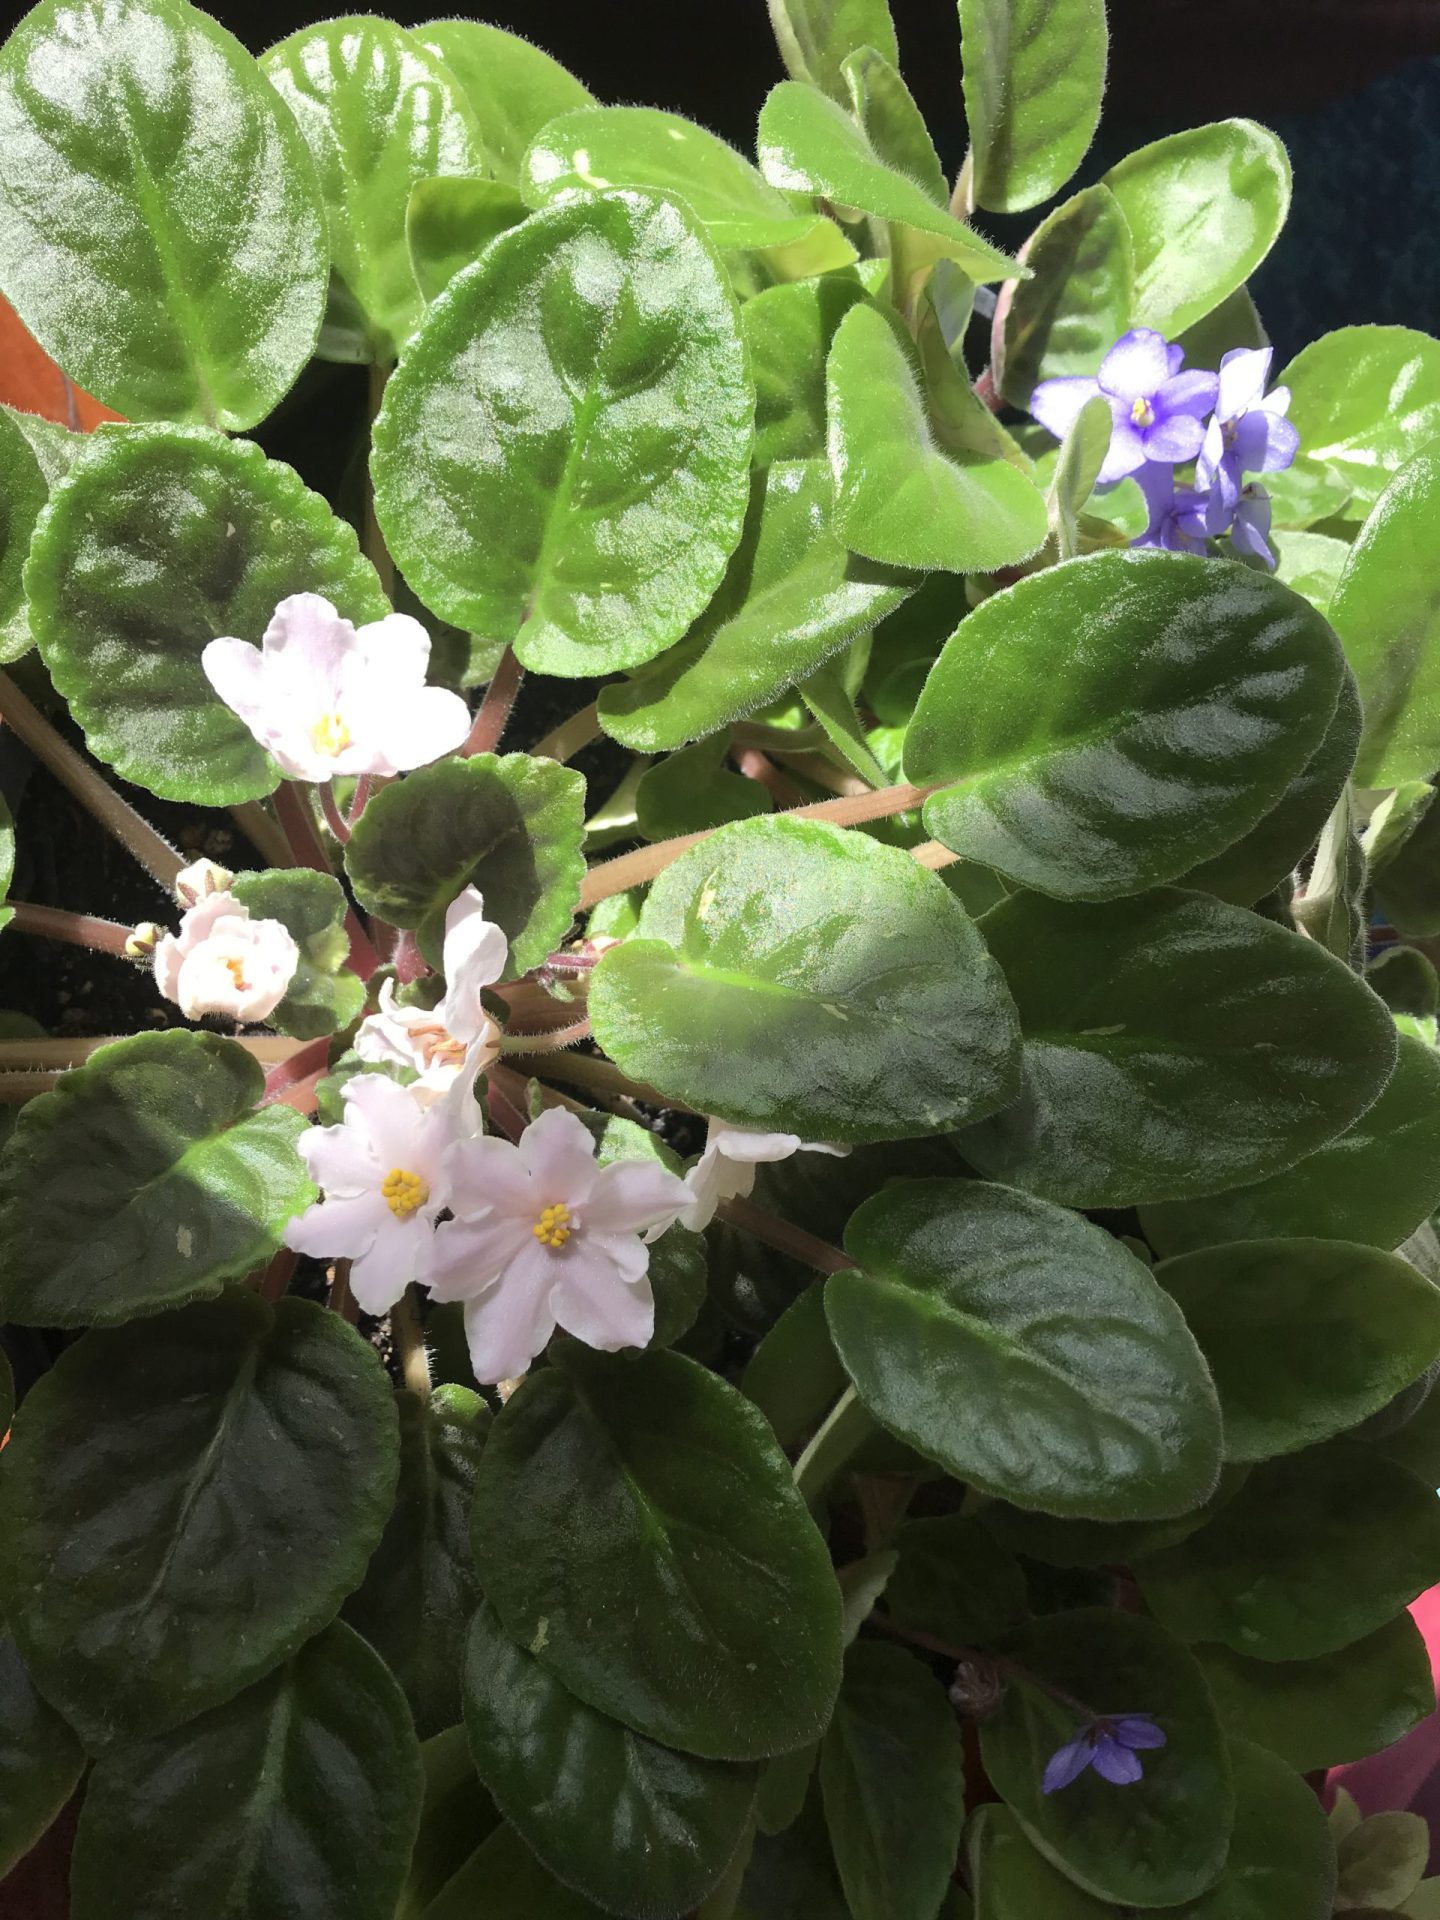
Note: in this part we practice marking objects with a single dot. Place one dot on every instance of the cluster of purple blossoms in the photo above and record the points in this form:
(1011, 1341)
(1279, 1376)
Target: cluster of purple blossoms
(1158, 413)
(1112, 1746)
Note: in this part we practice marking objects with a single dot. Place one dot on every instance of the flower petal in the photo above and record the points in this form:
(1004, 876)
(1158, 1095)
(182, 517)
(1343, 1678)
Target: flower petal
(600, 1298)
(396, 650)
(341, 1229)
(631, 1194)
(1127, 452)
(1243, 374)
(422, 727)
(471, 1255)
(1139, 1731)
(1137, 366)
(1115, 1763)
(1057, 404)
(510, 1322)
(1265, 442)
(1192, 392)
(1175, 438)
(236, 671)
(391, 1262)
(560, 1153)
(1068, 1763)
(476, 955)
(488, 1175)
(390, 1120)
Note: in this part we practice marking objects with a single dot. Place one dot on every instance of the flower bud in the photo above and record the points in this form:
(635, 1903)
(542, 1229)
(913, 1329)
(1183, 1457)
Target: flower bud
(199, 880)
(143, 941)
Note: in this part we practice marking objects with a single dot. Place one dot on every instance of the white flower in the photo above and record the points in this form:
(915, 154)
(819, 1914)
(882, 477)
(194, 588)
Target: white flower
(326, 698)
(457, 1036)
(222, 961)
(543, 1237)
(199, 880)
(726, 1169)
(382, 1173)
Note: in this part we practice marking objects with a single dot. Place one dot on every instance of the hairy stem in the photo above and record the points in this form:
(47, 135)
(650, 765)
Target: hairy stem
(605, 1080)
(76, 929)
(840, 1435)
(963, 1656)
(529, 1043)
(494, 711)
(785, 1238)
(334, 818)
(565, 741)
(410, 1344)
(309, 851)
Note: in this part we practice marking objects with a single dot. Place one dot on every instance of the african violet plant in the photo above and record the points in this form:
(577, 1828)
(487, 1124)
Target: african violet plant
(911, 1288)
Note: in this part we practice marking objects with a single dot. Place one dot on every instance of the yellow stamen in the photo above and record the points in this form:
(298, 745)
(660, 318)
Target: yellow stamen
(405, 1193)
(236, 971)
(330, 734)
(439, 1046)
(1143, 414)
(553, 1227)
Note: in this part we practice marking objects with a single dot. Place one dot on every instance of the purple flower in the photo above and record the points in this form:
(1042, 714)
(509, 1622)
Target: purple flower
(1249, 432)
(1251, 528)
(1179, 516)
(1111, 1746)
(1156, 409)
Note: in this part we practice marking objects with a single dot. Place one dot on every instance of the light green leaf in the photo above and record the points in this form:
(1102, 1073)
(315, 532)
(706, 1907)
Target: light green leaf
(1311, 563)
(636, 1826)
(1076, 715)
(1403, 845)
(893, 124)
(1204, 208)
(1025, 1350)
(1165, 1838)
(1234, 323)
(892, 1775)
(827, 697)
(55, 447)
(693, 791)
(1382, 1862)
(163, 235)
(299, 1797)
(1333, 906)
(40, 1759)
(899, 498)
(1315, 1551)
(1374, 1183)
(450, 221)
(816, 37)
(1082, 454)
(1174, 1046)
(510, 826)
(146, 1178)
(562, 458)
(1034, 75)
(809, 144)
(697, 1607)
(419, 1590)
(160, 540)
(24, 489)
(788, 331)
(955, 1581)
(851, 973)
(792, 597)
(514, 88)
(323, 996)
(139, 1460)
(1065, 319)
(379, 113)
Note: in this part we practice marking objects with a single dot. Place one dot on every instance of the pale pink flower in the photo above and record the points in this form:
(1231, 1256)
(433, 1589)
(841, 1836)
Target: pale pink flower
(544, 1237)
(327, 698)
(457, 1036)
(222, 961)
(726, 1169)
(382, 1172)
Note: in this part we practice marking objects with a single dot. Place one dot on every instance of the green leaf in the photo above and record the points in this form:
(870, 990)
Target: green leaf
(789, 974)
(696, 1606)
(970, 1331)
(24, 490)
(40, 1760)
(809, 144)
(1065, 319)
(1282, 1859)
(1116, 779)
(457, 1817)
(563, 455)
(794, 1375)
(164, 238)
(55, 447)
(693, 791)
(1014, 1882)
(450, 221)
(1093, 1543)
(955, 1581)
(788, 331)
(1174, 1046)
(146, 1178)
(1383, 1861)
(665, 154)
(1409, 985)
(379, 113)
(503, 1880)
(510, 826)
(790, 1875)
(160, 540)
(1321, 1713)
(1034, 75)
(633, 1825)
(1315, 1551)
(792, 597)
(1304, 1338)
(899, 498)
(816, 37)
(1077, 467)
(892, 1773)
(1234, 323)
(1385, 612)
(1165, 1838)
(893, 123)
(142, 1457)
(513, 88)
(1402, 843)
(1311, 563)
(1374, 1183)
(299, 1797)
(324, 995)
(1365, 400)
(678, 1260)
(419, 1591)
(1204, 208)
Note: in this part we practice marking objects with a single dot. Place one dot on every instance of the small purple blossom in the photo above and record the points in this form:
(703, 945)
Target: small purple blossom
(1156, 410)
(1248, 432)
(1179, 516)
(1112, 1746)
(1250, 529)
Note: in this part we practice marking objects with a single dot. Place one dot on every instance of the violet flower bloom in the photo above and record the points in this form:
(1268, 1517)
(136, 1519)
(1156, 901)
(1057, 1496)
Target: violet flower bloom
(1180, 518)
(1112, 1746)
(1157, 411)
(1249, 432)
(1250, 531)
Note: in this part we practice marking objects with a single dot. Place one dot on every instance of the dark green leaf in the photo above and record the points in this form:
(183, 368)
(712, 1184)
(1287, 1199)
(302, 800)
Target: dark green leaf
(40, 1760)
(510, 826)
(298, 1797)
(24, 490)
(1173, 1047)
(788, 331)
(1163, 1839)
(696, 1603)
(816, 37)
(791, 1875)
(1034, 74)
(794, 1375)
(1403, 844)
(1065, 319)
(892, 1773)
(1014, 1882)
(1094, 1543)
(844, 968)
(450, 221)
(955, 1581)
(694, 790)
(419, 1591)
(146, 1178)
(635, 1826)
(324, 995)
(457, 1817)
(1282, 1859)
(1314, 1552)
(160, 540)
(1025, 1350)
(514, 88)
(1117, 778)
(563, 455)
(138, 1465)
